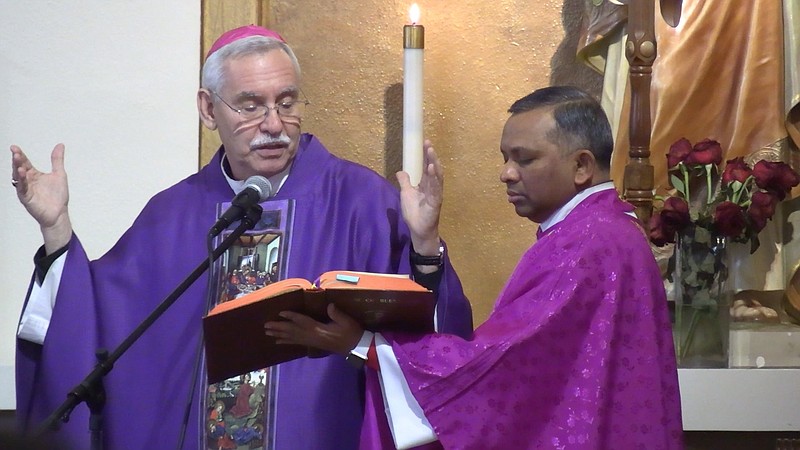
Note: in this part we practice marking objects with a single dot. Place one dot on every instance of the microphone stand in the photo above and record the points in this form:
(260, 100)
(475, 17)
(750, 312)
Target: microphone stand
(91, 389)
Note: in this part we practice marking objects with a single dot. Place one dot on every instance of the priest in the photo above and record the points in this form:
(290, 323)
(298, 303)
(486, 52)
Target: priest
(345, 217)
(577, 353)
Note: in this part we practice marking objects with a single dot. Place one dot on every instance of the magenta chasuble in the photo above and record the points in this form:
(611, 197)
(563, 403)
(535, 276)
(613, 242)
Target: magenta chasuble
(577, 353)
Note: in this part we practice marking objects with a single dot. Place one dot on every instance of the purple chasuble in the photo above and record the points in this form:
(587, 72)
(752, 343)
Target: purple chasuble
(346, 217)
(577, 353)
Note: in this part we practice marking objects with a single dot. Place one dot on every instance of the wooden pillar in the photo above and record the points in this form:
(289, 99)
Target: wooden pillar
(640, 49)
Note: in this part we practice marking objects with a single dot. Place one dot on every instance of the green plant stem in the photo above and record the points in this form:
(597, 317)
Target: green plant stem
(690, 333)
(707, 168)
(744, 190)
(686, 195)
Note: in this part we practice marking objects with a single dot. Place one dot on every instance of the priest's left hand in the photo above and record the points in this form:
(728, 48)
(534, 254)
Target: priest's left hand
(340, 335)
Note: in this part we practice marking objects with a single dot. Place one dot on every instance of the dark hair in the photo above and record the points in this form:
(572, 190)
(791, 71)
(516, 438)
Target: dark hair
(580, 120)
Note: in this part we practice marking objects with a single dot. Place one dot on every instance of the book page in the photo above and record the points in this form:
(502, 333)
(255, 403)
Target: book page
(346, 279)
(271, 290)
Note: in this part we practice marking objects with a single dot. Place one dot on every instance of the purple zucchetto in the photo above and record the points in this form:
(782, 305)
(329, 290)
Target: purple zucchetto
(241, 33)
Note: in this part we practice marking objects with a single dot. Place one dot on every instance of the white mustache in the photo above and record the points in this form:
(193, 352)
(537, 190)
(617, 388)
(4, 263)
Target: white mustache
(263, 140)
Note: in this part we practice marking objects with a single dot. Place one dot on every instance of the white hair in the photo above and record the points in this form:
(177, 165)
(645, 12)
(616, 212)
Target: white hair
(213, 70)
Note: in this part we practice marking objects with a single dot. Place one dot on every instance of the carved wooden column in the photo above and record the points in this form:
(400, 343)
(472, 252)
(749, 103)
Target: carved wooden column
(640, 49)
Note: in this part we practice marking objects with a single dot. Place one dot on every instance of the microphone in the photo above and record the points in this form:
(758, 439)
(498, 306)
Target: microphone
(256, 190)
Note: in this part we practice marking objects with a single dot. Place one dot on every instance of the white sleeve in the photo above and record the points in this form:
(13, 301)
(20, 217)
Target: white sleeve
(407, 422)
(41, 301)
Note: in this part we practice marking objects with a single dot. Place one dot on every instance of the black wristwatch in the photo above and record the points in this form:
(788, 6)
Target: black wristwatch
(432, 260)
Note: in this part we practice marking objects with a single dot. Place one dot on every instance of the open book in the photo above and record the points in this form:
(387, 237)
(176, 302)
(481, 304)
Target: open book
(234, 330)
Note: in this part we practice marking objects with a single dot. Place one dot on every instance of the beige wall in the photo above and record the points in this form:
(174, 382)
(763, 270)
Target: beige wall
(122, 102)
(480, 56)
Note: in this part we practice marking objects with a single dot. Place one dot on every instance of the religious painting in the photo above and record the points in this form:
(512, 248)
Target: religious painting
(254, 260)
(235, 418)
(239, 412)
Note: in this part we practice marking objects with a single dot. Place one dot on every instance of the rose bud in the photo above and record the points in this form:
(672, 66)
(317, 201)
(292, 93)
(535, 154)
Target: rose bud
(706, 151)
(675, 214)
(762, 208)
(736, 170)
(729, 220)
(658, 235)
(775, 177)
(678, 152)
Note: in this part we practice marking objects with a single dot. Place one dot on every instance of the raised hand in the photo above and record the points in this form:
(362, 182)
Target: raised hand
(422, 204)
(44, 195)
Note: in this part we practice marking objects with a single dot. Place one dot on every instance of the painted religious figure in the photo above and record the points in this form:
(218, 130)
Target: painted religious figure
(240, 411)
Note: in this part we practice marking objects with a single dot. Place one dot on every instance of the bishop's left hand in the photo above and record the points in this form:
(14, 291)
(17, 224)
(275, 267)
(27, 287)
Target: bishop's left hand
(340, 335)
(422, 204)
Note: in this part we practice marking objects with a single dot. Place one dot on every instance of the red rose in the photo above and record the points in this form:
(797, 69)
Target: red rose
(729, 219)
(736, 170)
(704, 152)
(764, 202)
(658, 235)
(762, 208)
(678, 152)
(775, 177)
(675, 214)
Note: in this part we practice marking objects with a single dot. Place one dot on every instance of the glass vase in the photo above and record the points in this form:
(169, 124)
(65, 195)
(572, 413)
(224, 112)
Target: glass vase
(703, 296)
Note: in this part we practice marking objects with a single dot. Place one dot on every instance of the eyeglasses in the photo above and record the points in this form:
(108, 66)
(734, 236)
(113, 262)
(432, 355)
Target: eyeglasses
(290, 111)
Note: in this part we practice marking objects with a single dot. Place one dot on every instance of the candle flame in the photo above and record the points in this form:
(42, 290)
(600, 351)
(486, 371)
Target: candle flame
(413, 13)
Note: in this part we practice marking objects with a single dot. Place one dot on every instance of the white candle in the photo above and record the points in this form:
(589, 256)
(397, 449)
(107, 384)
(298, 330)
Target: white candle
(413, 48)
